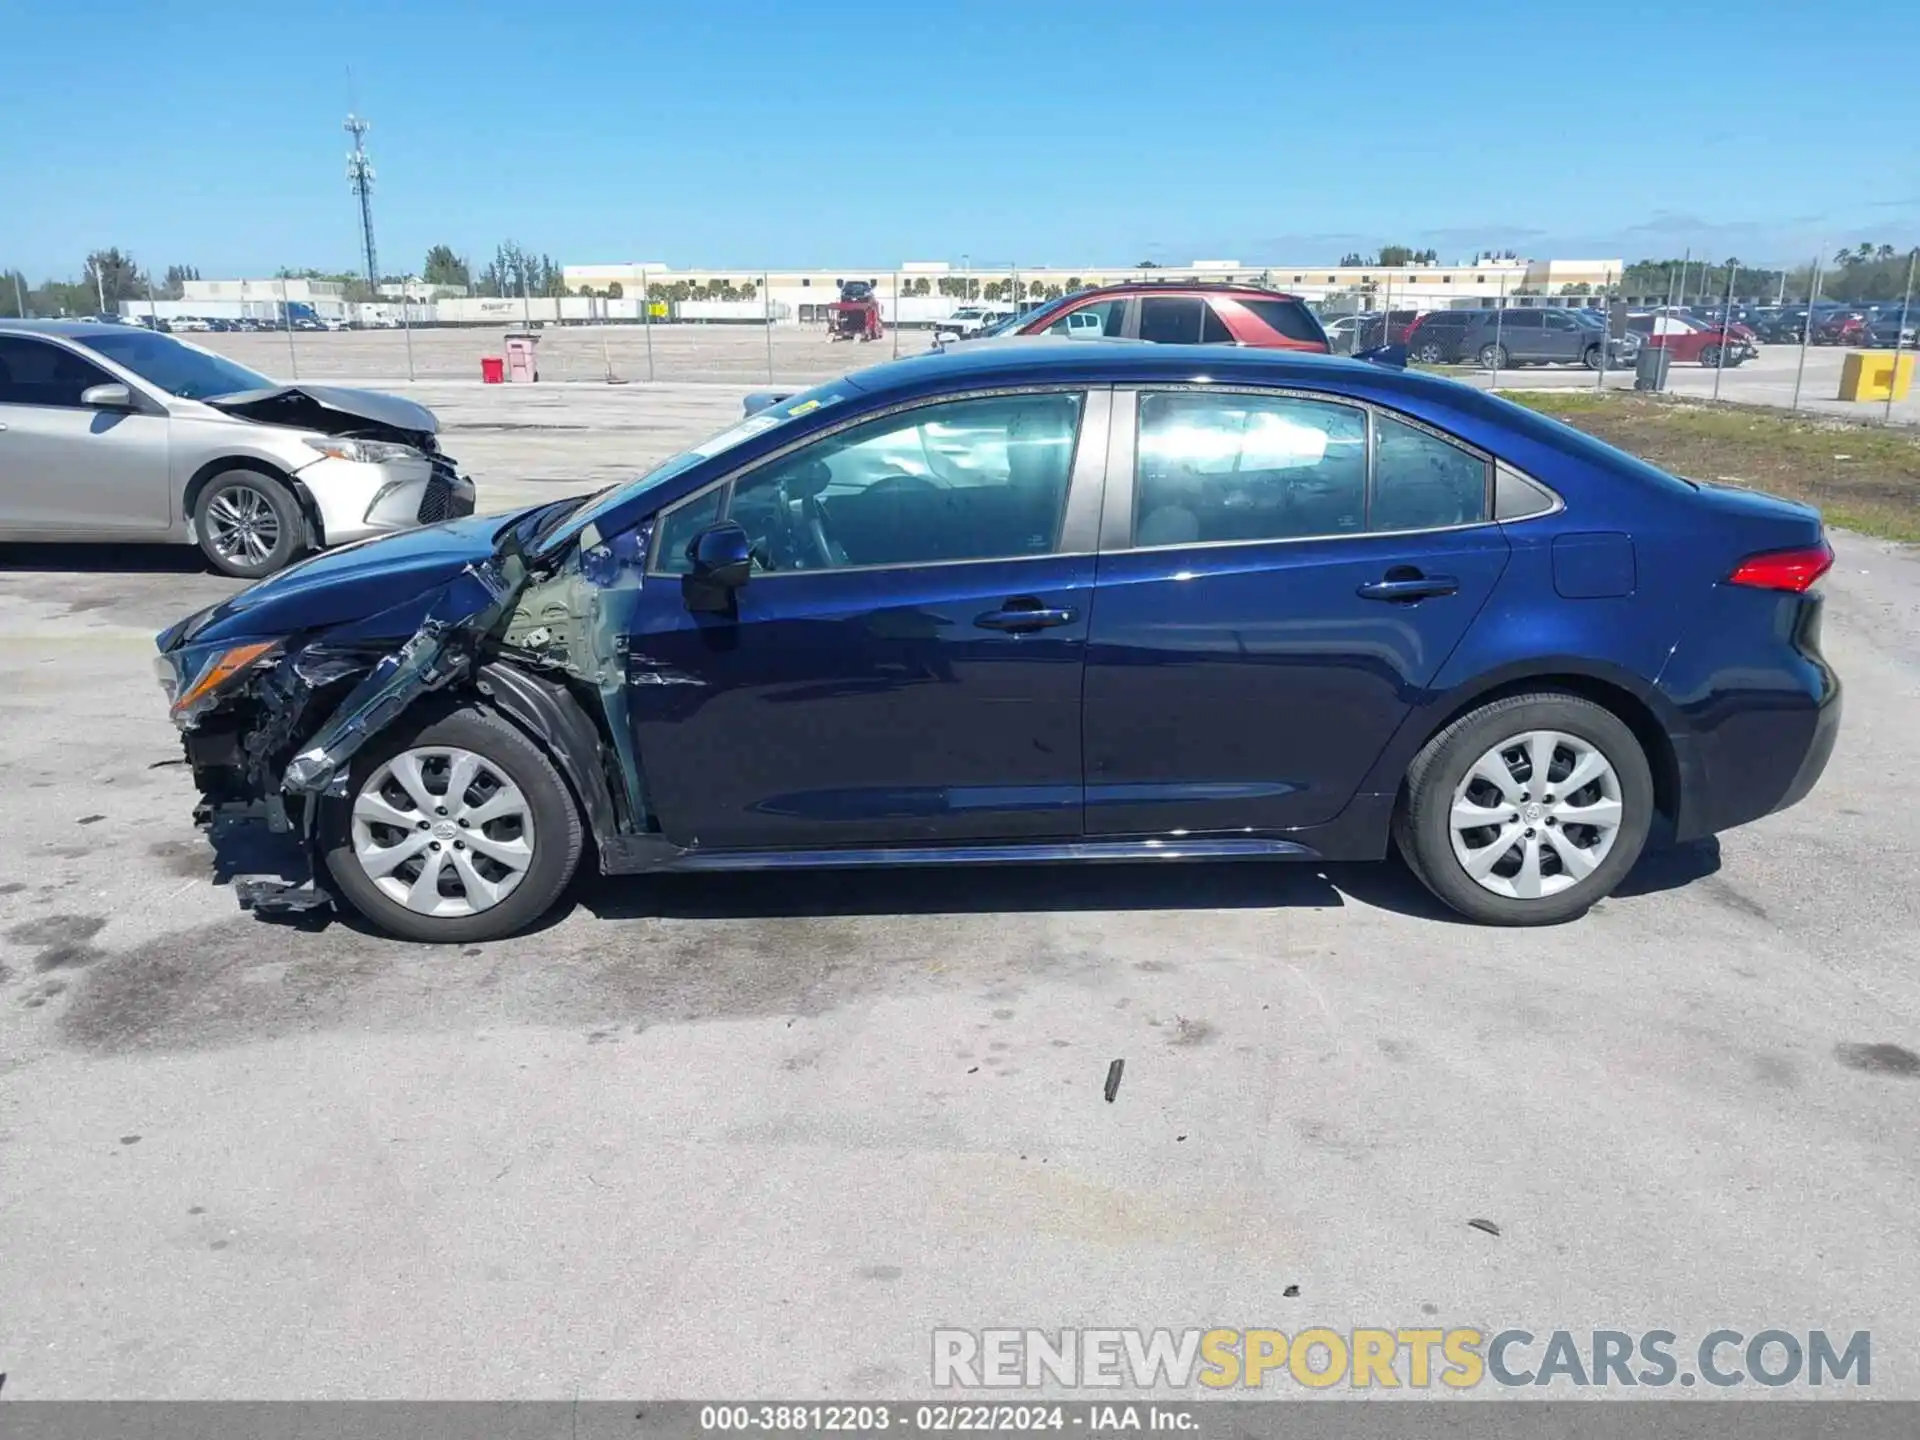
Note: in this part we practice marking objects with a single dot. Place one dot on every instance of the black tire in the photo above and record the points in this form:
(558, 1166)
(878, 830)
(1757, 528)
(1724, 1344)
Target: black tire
(557, 844)
(1430, 353)
(230, 520)
(1495, 357)
(1710, 357)
(1591, 359)
(1422, 828)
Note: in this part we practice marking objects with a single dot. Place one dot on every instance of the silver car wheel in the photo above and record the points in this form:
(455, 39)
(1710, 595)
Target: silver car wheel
(1535, 815)
(443, 831)
(241, 525)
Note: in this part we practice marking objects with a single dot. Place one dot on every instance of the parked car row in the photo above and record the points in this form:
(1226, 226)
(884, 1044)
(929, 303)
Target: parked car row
(1827, 322)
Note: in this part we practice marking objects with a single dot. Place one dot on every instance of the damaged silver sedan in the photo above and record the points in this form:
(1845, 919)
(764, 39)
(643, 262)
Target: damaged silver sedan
(115, 433)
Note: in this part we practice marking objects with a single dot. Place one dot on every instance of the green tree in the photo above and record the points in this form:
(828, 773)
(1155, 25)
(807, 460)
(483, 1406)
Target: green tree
(443, 267)
(112, 276)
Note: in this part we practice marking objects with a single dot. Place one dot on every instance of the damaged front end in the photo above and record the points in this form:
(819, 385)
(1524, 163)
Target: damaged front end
(271, 726)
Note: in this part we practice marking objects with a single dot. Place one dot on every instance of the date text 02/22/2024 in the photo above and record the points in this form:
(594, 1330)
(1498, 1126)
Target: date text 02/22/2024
(880, 1418)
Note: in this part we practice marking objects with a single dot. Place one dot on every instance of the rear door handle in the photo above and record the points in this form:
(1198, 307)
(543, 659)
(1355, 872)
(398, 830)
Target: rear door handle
(1416, 587)
(1018, 618)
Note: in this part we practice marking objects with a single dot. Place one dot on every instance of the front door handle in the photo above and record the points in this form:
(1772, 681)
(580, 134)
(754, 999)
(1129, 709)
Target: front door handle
(1405, 588)
(1017, 618)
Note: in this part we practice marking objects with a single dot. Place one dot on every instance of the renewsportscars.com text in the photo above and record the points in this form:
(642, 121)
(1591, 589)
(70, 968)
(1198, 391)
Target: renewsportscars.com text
(1381, 1358)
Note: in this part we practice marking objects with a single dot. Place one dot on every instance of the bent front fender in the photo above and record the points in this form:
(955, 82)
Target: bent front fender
(464, 612)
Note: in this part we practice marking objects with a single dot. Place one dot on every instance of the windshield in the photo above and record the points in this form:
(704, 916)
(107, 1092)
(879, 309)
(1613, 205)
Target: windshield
(759, 423)
(177, 369)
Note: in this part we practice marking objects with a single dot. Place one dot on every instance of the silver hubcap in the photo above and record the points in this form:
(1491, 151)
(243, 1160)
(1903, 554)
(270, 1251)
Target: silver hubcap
(241, 525)
(1535, 815)
(443, 831)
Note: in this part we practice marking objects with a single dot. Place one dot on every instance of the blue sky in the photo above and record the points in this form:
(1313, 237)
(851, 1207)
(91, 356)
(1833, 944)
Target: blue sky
(844, 132)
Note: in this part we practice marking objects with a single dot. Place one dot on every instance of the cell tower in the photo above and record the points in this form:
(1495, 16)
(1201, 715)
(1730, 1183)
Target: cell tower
(360, 173)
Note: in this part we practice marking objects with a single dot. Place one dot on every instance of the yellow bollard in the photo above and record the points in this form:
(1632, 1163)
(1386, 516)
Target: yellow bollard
(1874, 375)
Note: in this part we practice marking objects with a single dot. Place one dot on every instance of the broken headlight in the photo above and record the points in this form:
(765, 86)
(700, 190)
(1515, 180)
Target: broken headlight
(363, 452)
(195, 676)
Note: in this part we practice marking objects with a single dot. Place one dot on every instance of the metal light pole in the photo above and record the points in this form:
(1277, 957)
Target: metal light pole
(1806, 332)
(606, 323)
(646, 319)
(1606, 334)
(1499, 330)
(1900, 330)
(19, 296)
(766, 308)
(1726, 331)
(286, 318)
(406, 318)
(896, 314)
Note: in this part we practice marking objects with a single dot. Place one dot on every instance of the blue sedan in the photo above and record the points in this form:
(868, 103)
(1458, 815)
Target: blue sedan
(1036, 603)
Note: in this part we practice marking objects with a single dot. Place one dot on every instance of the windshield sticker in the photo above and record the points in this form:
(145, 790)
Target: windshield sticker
(807, 407)
(753, 425)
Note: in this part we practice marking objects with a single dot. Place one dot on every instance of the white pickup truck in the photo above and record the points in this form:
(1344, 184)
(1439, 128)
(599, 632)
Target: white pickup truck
(968, 321)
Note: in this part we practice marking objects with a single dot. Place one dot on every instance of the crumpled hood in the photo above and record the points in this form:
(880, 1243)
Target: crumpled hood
(355, 582)
(331, 409)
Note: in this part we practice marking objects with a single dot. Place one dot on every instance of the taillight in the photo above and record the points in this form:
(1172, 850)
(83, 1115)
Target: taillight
(1793, 570)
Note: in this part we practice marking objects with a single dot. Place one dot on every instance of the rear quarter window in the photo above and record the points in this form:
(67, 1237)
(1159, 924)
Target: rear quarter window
(1288, 319)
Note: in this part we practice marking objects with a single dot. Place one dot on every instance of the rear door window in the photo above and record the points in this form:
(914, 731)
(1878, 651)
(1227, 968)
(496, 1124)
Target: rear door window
(1224, 467)
(1213, 330)
(1171, 319)
(1422, 482)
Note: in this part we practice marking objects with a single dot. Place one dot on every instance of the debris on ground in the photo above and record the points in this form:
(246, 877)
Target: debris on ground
(1113, 1079)
(1486, 1225)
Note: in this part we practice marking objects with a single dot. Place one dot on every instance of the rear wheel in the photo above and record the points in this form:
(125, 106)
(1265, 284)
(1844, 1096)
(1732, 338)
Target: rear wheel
(249, 525)
(1528, 810)
(454, 830)
(1428, 352)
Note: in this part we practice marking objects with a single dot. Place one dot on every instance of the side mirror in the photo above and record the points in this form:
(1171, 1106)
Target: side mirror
(722, 558)
(107, 397)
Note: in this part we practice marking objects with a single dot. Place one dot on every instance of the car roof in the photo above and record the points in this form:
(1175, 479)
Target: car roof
(78, 328)
(1197, 287)
(1122, 362)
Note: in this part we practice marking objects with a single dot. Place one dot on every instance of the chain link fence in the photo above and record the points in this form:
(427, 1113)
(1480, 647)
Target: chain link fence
(1777, 337)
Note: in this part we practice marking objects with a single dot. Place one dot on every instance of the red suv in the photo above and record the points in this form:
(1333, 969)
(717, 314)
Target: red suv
(1176, 314)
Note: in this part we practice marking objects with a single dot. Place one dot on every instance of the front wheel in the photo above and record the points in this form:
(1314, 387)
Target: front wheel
(451, 831)
(1494, 357)
(1710, 357)
(1592, 358)
(1528, 810)
(248, 524)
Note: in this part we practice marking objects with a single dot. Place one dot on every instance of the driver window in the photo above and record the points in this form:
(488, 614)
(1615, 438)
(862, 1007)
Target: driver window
(965, 480)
